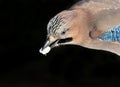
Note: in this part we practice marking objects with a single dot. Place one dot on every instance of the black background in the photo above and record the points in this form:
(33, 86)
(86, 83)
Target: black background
(22, 33)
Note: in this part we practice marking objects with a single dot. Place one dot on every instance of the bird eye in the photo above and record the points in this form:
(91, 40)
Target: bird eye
(62, 33)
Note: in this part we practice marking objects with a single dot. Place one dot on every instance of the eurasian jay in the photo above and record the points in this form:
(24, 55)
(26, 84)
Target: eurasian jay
(93, 24)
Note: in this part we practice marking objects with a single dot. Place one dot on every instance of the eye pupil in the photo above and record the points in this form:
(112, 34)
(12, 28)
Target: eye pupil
(63, 33)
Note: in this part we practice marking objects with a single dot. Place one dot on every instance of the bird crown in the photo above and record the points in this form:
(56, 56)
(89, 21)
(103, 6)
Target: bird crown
(60, 23)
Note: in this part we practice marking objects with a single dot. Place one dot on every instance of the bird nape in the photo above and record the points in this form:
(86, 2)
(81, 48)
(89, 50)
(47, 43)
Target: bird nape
(93, 24)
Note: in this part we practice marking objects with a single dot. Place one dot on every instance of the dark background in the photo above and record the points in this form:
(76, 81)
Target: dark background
(22, 33)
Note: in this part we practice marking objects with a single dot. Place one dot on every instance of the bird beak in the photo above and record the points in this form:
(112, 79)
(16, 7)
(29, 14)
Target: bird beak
(47, 47)
(53, 43)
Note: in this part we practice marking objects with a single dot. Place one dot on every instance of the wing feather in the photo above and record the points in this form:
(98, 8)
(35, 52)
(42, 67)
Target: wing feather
(112, 35)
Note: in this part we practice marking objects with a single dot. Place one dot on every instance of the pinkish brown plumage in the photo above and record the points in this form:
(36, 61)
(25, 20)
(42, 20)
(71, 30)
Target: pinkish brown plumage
(84, 23)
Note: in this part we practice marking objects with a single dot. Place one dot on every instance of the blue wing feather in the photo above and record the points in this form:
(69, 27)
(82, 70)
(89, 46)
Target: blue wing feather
(112, 35)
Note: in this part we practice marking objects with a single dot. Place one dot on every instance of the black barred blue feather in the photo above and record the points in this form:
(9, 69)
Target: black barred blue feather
(112, 35)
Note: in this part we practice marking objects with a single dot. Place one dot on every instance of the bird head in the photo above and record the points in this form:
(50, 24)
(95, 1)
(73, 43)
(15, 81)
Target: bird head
(63, 29)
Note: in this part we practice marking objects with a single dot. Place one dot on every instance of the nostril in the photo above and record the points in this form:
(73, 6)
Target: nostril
(65, 40)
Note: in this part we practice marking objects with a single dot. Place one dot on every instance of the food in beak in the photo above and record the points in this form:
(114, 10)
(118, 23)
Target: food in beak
(45, 50)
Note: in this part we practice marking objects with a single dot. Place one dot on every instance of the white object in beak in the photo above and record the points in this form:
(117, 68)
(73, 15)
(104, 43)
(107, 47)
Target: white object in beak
(45, 50)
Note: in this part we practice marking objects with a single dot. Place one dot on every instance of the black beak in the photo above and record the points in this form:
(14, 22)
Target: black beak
(48, 45)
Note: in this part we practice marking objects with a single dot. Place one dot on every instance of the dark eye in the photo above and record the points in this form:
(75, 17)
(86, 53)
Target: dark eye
(62, 33)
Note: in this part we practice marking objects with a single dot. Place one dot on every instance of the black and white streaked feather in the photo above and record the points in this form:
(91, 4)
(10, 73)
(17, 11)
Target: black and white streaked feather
(59, 23)
(55, 24)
